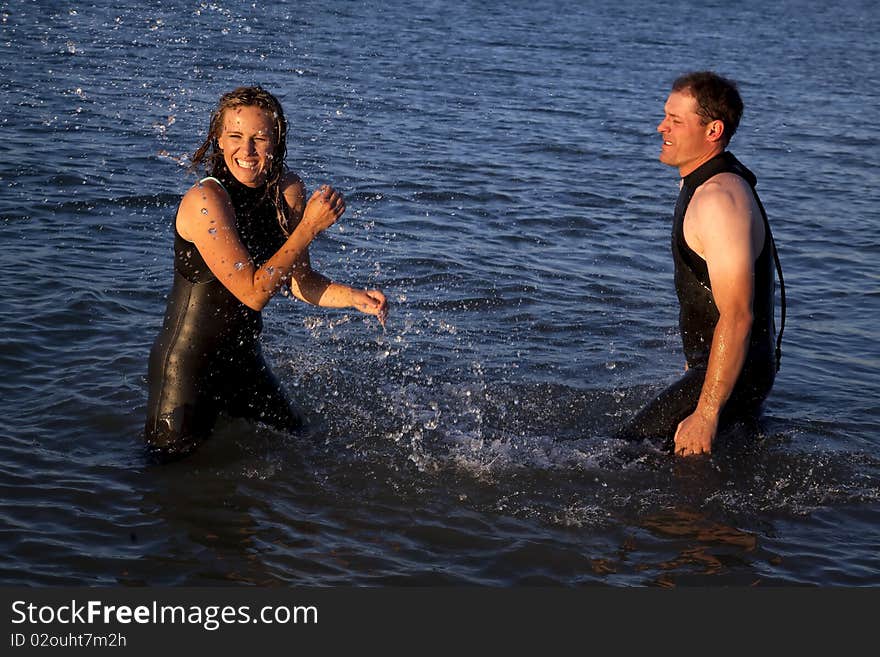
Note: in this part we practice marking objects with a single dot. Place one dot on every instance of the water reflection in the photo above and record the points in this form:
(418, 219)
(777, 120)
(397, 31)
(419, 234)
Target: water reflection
(710, 548)
(208, 512)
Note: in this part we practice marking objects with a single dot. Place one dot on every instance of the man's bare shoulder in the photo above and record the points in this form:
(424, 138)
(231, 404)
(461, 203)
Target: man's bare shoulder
(723, 188)
(726, 195)
(722, 213)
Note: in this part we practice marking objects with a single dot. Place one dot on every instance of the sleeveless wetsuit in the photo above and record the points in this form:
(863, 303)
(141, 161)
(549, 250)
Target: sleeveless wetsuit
(698, 317)
(207, 358)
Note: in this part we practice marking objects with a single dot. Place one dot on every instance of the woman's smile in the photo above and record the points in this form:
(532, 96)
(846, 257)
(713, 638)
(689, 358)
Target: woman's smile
(248, 144)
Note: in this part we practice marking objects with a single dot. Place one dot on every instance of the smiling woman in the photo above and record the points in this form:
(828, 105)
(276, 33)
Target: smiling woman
(248, 143)
(241, 234)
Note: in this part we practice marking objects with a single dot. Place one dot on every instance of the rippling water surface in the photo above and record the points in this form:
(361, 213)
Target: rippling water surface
(500, 166)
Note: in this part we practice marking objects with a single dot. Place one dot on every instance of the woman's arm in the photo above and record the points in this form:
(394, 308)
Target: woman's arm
(315, 288)
(318, 290)
(206, 218)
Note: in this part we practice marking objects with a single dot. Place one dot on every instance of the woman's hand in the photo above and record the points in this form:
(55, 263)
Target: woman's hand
(371, 302)
(325, 206)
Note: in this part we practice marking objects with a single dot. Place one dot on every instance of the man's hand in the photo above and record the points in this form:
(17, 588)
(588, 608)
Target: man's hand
(695, 434)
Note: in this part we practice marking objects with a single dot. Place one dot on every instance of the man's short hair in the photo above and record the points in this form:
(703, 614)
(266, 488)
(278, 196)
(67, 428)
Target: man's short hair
(717, 98)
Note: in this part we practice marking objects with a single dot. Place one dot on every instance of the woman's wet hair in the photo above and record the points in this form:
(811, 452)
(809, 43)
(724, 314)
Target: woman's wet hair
(209, 157)
(717, 98)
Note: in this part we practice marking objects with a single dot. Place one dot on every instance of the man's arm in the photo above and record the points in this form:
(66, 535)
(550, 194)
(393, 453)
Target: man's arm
(721, 227)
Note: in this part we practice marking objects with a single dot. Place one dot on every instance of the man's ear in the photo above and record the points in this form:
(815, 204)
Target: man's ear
(714, 130)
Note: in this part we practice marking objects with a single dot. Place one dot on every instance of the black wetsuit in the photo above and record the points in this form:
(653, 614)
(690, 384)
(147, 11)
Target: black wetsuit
(698, 317)
(207, 358)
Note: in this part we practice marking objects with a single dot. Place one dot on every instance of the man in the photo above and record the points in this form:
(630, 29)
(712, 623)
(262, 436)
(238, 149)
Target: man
(723, 253)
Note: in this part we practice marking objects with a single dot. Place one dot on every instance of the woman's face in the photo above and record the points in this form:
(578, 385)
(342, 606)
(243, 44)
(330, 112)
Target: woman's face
(247, 141)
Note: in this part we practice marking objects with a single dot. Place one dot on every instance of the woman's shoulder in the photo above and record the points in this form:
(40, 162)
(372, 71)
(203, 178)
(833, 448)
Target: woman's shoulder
(293, 189)
(206, 198)
(207, 190)
(291, 182)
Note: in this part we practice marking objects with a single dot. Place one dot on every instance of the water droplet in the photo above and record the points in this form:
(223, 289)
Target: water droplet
(239, 266)
(212, 231)
(204, 210)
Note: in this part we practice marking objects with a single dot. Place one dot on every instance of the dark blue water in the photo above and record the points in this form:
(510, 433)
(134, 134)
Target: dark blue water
(500, 166)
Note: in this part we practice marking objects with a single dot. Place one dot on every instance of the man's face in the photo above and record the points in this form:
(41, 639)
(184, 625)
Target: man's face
(686, 142)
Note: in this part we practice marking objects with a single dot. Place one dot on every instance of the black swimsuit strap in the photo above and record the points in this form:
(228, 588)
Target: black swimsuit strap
(781, 285)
